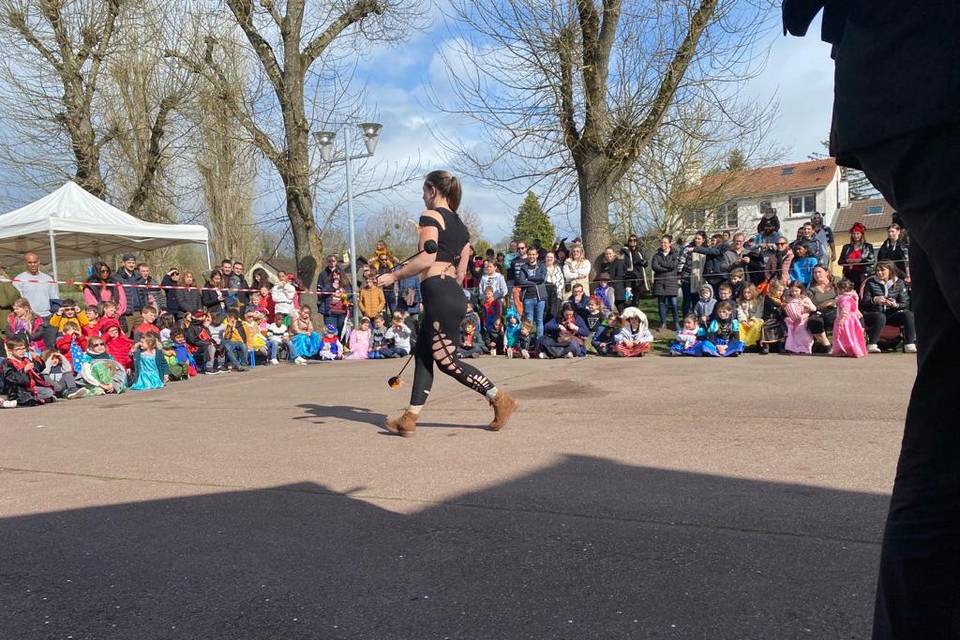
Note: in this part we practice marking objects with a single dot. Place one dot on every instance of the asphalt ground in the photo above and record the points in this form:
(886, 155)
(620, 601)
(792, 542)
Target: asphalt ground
(652, 498)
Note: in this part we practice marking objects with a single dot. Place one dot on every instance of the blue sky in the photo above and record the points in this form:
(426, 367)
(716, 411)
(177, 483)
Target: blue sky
(799, 74)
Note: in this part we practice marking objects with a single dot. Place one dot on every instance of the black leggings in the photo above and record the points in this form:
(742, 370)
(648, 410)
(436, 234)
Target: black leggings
(444, 307)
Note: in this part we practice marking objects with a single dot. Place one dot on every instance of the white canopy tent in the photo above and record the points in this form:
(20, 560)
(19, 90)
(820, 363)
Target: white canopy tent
(71, 223)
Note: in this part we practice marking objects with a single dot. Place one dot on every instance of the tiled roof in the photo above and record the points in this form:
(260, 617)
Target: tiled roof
(864, 212)
(784, 178)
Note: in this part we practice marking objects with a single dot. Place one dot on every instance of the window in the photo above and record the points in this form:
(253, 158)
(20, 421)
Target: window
(874, 209)
(727, 216)
(696, 219)
(803, 204)
(787, 171)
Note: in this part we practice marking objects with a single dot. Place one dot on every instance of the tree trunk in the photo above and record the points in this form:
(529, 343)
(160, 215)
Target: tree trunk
(596, 190)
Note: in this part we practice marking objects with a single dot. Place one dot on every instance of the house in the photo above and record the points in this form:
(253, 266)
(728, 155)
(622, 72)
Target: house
(730, 201)
(876, 214)
(271, 266)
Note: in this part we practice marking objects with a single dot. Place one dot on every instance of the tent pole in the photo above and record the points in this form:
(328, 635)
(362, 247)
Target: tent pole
(53, 256)
(209, 264)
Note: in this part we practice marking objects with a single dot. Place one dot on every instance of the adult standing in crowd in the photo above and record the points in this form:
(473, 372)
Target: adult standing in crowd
(886, 301)
(895, 250)
(103, 286)
(612, 265)
(690, 270)
(170, 281)
(151, 293)
(334, 300)
(532, 278)
(262, 279)
(720, 259)
(633, 265)
(8, 295)
(857, 256)
(240, 280)
(39, 288)
(824, 236)
(129, 276)
(808, 235)
(666, 281)
(823, 294)
(214, 296)
(189, 298)
(555, 285)
(576, 270)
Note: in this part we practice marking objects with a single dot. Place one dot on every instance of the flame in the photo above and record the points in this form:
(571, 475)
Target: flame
(394, 382)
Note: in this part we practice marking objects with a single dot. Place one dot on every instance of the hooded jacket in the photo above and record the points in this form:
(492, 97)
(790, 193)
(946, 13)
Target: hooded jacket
(704, 308)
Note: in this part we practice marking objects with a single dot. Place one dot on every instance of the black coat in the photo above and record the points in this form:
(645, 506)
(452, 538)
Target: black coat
(171, 295)
(666, 281)
(188, 300)
(898, 49)
(211, 301)
(617, 272)
(872, 287)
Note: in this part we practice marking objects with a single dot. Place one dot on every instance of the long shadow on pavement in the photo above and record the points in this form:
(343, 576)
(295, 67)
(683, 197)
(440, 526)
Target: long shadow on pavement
(322, 414)
(587, 548)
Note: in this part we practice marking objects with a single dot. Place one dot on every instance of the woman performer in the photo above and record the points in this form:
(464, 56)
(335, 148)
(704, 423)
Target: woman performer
(444, 305)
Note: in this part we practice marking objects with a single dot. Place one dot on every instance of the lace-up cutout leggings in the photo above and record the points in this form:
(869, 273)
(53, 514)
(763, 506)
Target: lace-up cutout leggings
(444, 307)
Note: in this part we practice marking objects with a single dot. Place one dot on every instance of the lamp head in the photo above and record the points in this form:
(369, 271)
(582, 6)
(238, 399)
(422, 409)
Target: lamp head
(371, 135)
(325, 140)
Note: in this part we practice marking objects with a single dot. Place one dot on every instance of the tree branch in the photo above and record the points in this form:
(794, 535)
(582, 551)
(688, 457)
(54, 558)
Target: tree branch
(154, 155)
(565, 47)
(359, 11)
(243, 12)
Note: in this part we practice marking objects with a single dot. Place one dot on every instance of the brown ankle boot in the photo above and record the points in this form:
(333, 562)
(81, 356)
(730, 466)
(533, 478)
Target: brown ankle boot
(405, 425)
(503, 407)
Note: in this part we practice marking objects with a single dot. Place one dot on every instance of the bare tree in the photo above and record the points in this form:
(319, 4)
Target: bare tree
(291, 41)
(53, 68)
(572, 92)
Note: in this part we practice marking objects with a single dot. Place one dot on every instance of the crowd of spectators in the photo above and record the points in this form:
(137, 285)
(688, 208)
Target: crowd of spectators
(719, 296)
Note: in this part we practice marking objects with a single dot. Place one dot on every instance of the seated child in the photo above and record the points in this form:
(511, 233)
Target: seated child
(471, 344)
(797, 311)
(93, 318)
(304, 338)
(167, 322)
(235, 341)
(23, 384)
(360, 341)
(108, 312)
(256, 341)
(58, 373)
(704, 307)
(724, 294)
(396, 340)
(179, 363)
(330, 348)
(278, 336)
(118, 345)
(491, 310)
(593, 318)
(149, 370)
(472, 316)
(774, 331)
(100, 373)
(149, 324)
(526, 342)
(69, 311)
(214, 324)
(72, 344)
(723, 333)
(197, 337)
(495, 337)
(634, 338)
(377, 334)
(511, 332)
(688, 338)
(604, 340)
(749, 314)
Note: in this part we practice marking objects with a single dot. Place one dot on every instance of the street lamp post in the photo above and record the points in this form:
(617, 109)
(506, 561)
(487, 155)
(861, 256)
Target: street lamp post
(325, 140)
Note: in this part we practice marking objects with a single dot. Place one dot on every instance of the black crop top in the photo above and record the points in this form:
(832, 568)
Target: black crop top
(450, 240)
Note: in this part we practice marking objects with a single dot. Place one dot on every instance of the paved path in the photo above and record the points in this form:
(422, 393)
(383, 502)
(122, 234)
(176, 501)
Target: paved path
(628, 499)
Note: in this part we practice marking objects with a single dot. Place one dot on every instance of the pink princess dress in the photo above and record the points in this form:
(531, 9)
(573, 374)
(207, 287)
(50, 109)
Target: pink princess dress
(848, 337)
(359, 345)
(799, 339)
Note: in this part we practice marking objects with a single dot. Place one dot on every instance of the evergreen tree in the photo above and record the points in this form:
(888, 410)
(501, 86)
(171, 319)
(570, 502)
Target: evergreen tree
(532, 223)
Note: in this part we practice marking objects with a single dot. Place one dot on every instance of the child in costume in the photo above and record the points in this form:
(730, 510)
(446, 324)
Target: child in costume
(512, 331)
(848, 337)
(72, 344)
(688, 338)
(797, 311)
(604, 338)
(723, 333)
(360, 341)
(100, 373)
(750, 316)
(23, 383)
(634, 339)
(774, 330)
(330, 347)
(149, 369)
(118, 345)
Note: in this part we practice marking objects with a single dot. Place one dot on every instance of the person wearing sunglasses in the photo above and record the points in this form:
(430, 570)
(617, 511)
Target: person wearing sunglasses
(100, 373)
(103, 286)
(171, 279)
